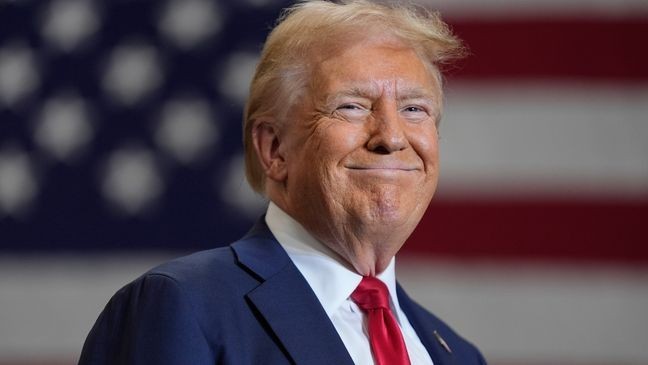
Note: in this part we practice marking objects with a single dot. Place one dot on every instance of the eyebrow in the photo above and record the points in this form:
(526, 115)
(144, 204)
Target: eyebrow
(354, 92)
(372, 92)
(416, 93)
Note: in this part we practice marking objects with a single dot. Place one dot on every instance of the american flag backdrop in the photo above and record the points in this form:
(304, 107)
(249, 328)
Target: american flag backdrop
(120, 147)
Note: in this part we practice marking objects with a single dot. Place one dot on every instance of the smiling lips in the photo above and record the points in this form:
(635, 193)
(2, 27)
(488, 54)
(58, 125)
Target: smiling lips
(383, 168)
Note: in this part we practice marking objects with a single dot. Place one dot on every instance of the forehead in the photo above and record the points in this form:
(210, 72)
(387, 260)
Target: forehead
(374, 65)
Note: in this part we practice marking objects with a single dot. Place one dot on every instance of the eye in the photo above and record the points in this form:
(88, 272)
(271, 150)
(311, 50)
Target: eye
(350, 107)
(352, 112)
(414, 109)
(415, 113)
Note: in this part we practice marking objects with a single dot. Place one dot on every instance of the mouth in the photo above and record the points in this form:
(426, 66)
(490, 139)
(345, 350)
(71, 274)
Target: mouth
(386, 168)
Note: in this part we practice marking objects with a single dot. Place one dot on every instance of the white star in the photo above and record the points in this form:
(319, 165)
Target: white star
(133, 72)
(132, 182)
(63, 129)
(17, 182)
(237, 192)
(187, 130)
(237, 74)
(18, 74)
(67, 23)
(188, 22)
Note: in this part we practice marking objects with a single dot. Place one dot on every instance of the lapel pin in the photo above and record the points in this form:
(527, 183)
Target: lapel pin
(442, 342)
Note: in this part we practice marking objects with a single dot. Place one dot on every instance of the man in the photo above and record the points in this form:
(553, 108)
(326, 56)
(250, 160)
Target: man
(341, 136)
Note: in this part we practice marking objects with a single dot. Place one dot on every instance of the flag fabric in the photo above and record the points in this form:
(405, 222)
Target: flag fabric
(120, 147)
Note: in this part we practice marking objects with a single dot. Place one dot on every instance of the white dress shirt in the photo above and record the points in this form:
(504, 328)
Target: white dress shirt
(333, 280)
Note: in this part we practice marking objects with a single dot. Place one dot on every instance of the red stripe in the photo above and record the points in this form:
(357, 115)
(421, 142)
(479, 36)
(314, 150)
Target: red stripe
(599, 49)
(556, 230)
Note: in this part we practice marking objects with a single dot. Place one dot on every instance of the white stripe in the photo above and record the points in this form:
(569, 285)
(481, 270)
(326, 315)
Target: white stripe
(481, 9)
(545, 139)
(528, 314)
(538, 314)
(48, 304)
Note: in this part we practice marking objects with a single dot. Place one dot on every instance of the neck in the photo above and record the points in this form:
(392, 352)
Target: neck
(368, 254)
(367, 248)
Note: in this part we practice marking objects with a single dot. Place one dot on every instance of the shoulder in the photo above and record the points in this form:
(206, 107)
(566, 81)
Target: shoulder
(200, 268)
(187, 302)
(437, 332)
(216, 278)
(203, 278)
(224, 268)
(180, 282)
(159, 316)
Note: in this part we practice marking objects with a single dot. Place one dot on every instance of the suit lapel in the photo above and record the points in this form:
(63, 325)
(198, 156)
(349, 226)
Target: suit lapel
(286, 302)
(425, 332)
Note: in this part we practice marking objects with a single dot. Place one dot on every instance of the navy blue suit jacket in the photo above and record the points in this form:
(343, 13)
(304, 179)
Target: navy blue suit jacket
(242, 304)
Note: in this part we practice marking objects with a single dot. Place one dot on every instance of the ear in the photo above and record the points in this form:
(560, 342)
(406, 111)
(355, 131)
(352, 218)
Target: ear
(267, 143)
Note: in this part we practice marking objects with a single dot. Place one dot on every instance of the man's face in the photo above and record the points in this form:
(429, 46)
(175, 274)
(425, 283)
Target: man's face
(361, 147)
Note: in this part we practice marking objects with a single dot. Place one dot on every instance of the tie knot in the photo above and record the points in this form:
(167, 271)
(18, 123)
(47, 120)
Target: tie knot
(371, 294)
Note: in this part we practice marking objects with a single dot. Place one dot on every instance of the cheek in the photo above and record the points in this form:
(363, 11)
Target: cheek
(337, 140)
(426, 145)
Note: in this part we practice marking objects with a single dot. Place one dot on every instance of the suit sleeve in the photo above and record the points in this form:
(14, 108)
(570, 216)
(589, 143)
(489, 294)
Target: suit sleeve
(150, 321)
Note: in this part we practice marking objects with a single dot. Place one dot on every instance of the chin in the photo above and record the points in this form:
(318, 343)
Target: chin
(388, 214)
(388, 203)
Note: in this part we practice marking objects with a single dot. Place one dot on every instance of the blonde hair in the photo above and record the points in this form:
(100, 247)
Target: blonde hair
(282, 74)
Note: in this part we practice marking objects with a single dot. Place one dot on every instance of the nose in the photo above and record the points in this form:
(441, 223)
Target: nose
(387, 134)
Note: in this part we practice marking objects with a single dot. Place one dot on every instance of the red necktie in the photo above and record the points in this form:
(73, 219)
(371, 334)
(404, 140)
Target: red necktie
(385, 336)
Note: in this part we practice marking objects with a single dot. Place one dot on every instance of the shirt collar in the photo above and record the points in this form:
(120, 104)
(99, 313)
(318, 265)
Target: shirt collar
(331, 278)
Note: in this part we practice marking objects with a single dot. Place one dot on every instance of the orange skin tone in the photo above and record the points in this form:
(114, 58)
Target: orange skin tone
(357, 161)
